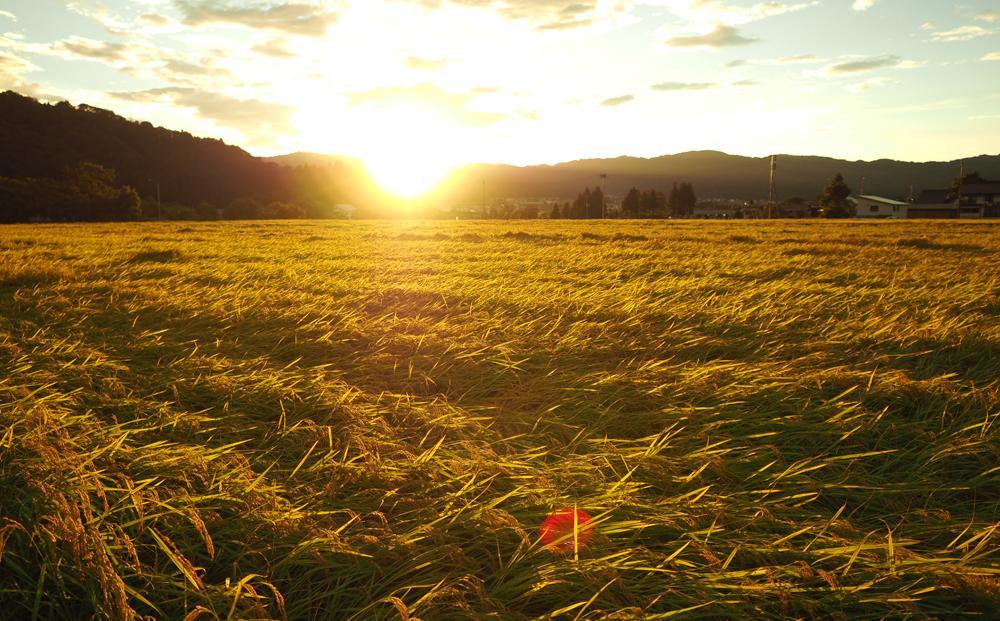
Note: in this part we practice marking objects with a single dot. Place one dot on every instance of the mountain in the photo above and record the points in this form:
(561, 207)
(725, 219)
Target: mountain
(39, 140)
(303, 158)
(714, 175)
(42, 141)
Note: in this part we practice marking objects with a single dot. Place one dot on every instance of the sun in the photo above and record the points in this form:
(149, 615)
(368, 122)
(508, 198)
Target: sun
(408, 173)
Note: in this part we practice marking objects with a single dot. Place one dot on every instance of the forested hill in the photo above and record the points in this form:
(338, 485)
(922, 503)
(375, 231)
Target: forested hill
(39, 140)
(713, 173)
(720, 175)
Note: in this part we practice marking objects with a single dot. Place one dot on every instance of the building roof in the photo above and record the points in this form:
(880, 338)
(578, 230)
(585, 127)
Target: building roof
(933, 197)
(991, 187)
(881, 199)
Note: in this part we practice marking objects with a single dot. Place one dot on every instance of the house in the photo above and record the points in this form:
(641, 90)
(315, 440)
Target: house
(935, 204)
(983, 197)
(869, 206)
(797, 210)
(714, 210)
(978, 199)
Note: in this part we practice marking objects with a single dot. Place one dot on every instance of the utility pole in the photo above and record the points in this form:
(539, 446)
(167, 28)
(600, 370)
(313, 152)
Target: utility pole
(772, 194)
(862, 192)
(961, 182)
(604, 196)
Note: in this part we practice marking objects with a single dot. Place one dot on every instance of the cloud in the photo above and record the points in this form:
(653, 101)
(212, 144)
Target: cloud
(720, 36)
(863, 5)
(617, 101)
(251, 117)
(927, 26)
(746, 83)
(864, 65)
(426, 64)
(798, 59)
(120, 55)
(546, 15)
(12, 70)
(8, 15)
(991, 56)
(428, 97)
(290, 17)
(154, 19)
(722, 12)
(989, 16)
(136, 59)
(870, 84)
(963, 33)
(683, 86)
(277, 48)
(736, 63)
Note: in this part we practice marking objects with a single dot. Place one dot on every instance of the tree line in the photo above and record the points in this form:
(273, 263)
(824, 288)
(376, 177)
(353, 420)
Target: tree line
(89, 192)
(45, 147)
(592, 204)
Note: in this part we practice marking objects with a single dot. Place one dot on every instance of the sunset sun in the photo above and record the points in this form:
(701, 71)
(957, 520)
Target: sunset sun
(417, 147)
(407, 173)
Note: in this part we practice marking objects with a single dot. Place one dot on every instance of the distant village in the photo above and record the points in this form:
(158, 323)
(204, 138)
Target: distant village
(970, 197)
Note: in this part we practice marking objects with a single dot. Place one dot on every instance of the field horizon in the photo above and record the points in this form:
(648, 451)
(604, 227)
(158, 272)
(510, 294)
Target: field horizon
(372, 419)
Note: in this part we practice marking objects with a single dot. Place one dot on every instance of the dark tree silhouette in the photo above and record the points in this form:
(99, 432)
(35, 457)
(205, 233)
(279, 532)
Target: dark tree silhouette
(834, 198)
(595, 207)
(630, 206)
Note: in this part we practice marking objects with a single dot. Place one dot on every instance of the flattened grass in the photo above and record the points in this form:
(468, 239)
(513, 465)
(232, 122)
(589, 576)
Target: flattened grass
(371, 420)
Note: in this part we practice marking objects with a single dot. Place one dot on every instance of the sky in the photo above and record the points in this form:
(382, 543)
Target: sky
(448, 82)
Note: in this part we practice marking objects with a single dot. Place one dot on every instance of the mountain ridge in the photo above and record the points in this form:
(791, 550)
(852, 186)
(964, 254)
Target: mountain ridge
(715, 174)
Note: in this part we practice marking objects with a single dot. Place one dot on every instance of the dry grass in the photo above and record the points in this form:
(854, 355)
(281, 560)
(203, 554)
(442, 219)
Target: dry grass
(371, 420)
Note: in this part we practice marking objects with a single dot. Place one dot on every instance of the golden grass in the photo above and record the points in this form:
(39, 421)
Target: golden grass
(371, 420)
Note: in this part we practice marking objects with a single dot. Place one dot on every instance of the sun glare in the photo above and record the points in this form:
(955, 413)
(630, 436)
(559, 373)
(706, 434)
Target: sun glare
(406, 173)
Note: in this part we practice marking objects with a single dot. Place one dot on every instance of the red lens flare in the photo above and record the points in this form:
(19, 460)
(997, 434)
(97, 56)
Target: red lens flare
(558, 534)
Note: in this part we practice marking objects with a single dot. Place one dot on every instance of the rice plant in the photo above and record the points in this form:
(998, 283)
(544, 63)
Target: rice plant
(370, 420)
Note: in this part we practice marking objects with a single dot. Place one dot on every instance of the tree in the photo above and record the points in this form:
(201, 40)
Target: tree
(972, 177)
(686, 199)
(652, 204)
(595, 207)
(630, 206)
(834, 198)
(207, 211)
(674, 201)
(555, 212)
(282, 211)
(581, 205)
(246, 208)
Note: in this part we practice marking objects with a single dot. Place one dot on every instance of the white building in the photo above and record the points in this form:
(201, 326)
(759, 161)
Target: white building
(879, 207)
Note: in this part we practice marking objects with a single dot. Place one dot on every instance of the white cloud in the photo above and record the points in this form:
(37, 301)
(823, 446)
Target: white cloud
(290, 17)
(963, 33)
(617, 101)
(991, 56)
(989, 16)
(721, 12)
(863, 65)
(863, 5)
(683, 86)
(8, 15)
(870, 84)
(720, 36)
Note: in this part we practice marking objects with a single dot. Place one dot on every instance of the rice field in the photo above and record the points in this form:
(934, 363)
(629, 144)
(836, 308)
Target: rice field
(371, 420)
